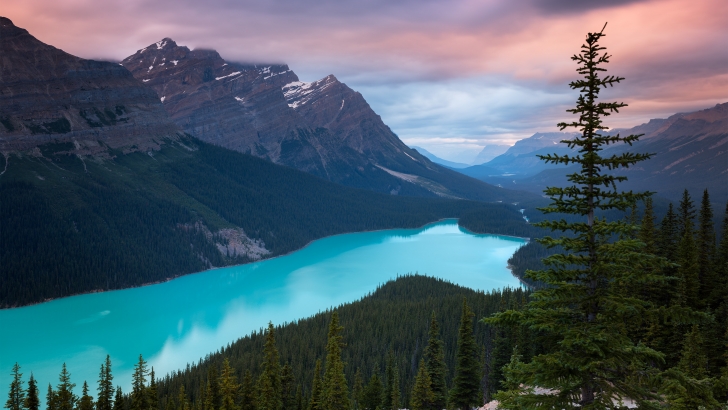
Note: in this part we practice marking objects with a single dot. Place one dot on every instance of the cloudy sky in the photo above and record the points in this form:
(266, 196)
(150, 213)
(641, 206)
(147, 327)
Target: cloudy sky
(449, 75)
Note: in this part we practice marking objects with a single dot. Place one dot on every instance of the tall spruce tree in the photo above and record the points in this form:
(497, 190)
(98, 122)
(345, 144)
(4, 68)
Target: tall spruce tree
(247, 392)
(152, 392)
(335, 389)
(317, 389)
(269, 394)
(139, 396)
(32, 399)
(64, 398)
(582, 306)
(119, 399)
(86, 402)
(388, 380)
(182, 402)
(16, 394)
(106, 386)
(688, 270)
(229, 387)
(51, 399)
(288, 387)
(373, 392)
(357, 390)
(423, 397)
(395, 402)
(706, 255)
(434, 356)
(465, 392)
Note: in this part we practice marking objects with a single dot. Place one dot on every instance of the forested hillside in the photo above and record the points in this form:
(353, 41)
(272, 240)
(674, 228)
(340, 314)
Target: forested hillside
(73, 224)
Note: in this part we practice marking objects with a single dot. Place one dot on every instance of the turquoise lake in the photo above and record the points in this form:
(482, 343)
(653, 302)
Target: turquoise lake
(180, 321)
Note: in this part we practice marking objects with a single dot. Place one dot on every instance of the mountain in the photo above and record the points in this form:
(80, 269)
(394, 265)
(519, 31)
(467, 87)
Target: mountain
(690, 151)
(48, 95)
(489, 152)
(322, 127)
(437, 160)
(100, 189)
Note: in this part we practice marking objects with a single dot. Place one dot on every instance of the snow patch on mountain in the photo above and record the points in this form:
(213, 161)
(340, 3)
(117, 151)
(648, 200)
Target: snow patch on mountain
(229, 75)
(299, 93)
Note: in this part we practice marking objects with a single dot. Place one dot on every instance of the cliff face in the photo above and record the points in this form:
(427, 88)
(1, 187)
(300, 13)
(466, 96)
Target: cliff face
(323, 127)
(48, 95)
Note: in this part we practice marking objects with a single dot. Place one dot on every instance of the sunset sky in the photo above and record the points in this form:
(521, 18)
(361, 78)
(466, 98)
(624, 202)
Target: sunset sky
(448, 75)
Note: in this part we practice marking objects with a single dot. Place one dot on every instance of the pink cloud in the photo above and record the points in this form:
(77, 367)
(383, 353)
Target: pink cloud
(671, 51)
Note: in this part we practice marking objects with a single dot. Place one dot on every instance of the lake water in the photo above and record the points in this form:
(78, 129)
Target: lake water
(177, 322)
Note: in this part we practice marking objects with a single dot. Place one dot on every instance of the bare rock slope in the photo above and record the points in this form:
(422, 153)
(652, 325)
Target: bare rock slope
(48, 95)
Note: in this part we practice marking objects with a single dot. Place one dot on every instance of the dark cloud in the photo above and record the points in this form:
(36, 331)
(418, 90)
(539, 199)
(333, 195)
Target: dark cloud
(579, 6)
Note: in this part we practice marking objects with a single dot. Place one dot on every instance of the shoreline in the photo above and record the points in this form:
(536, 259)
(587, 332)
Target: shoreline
(266, 259)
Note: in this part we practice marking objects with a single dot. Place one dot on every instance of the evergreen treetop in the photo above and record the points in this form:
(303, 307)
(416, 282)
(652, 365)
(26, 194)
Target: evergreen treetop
(465, 392)
(584, 307)
(335, 389)
(16, 395)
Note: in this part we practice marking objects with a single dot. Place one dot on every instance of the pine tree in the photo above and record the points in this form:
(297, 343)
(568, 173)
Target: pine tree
(423, 398)
(106, 386)
(694, 362)
(16, 394)
(64, 397)
(388, 380)
(668, 237)
(288, 387)
(86, 402)
(51, 402)
(434, 356)
(317, 390)
(689, 388)
(688, 271)
(152, 393)
(582, 307)
(32, 400)
(335, 389)
(229, 387)
(395, 401)
(182, 402)
(119, 399)
(465, 392)
(212, 391)
(707, 273)
(269, 396)
(299, 398)
(357, 391)
(373, 393)
(247, 392)
(139, 397)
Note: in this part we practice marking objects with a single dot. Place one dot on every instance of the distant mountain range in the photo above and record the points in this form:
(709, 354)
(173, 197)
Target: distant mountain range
(437, 160)
(486, 154)
(691, 151)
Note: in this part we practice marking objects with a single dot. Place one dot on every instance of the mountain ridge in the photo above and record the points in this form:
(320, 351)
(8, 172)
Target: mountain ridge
(49, 95)
(321, 127)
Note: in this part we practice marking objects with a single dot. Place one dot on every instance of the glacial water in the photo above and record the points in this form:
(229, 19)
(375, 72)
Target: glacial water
(179, 321)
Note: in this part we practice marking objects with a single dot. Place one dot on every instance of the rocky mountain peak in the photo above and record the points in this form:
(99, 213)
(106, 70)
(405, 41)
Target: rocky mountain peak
(48, 95)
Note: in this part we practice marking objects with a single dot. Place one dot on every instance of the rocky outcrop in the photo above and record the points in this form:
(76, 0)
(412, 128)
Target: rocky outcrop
(48, 95)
